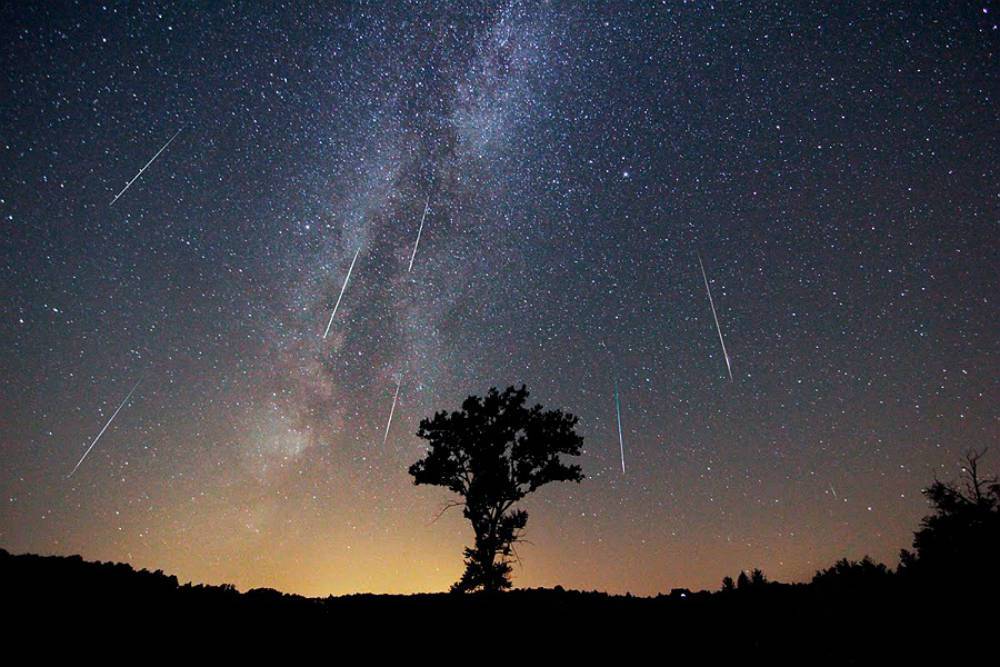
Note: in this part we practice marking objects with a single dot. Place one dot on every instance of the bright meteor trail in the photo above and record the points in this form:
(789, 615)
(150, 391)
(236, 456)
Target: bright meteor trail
(427, 206)
(115, 414)
(395, 398)
(716, 317)
(618, 412)
(344, 287)
(129, 184)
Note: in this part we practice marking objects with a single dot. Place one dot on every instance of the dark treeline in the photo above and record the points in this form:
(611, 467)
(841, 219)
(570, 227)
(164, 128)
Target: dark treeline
(937, 602)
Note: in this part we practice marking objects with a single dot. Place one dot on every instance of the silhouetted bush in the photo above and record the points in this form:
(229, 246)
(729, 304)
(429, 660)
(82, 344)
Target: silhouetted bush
(958, 546)
(850, 576)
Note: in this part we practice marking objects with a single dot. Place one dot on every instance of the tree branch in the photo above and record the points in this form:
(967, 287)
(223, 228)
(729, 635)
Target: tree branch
(444, 509)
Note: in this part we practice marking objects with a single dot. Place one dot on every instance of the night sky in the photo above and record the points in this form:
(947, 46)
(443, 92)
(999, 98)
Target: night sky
(834, 165)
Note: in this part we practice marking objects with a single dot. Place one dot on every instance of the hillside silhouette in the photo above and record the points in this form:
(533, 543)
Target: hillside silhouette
(854, 612)
(937, 605)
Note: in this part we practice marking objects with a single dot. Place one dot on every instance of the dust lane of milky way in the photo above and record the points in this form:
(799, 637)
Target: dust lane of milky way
(832, 166)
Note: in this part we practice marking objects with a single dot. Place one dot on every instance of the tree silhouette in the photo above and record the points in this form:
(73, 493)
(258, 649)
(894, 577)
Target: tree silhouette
(853, 576)
(492, 453)
(959, 544)
(744, 582)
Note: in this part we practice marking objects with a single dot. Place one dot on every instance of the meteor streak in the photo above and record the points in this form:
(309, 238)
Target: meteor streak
(716, 318)
(115, 414)
(129, 184)
(427, 206)
(399, 384)
(618, 412)
(343, 287)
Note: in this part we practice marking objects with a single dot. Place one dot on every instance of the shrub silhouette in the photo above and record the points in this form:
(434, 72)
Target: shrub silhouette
(492, 453)
(959, 544)
(755, 581)
(853, 576)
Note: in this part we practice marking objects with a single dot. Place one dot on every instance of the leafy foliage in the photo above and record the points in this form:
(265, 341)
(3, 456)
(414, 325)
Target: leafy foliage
(852, 575)
(959, 544)
(492, 453)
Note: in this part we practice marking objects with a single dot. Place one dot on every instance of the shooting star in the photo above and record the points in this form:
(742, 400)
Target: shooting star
(129, 184)
(834, 492)
(618, 412)
(344, 287)
(427, 207)
(392, 410)
(708, 289)
(115, 414)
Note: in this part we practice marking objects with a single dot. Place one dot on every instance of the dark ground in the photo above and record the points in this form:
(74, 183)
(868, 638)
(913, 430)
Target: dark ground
(889, 623)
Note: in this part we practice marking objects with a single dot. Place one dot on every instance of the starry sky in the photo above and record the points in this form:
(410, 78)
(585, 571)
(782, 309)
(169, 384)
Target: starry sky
(834, 165)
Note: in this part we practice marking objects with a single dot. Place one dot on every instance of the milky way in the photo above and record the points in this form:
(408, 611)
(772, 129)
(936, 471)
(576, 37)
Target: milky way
(560, 167)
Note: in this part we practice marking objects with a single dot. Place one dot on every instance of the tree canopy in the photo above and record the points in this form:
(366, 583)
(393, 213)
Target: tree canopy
(959, 544)
(492, 453)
